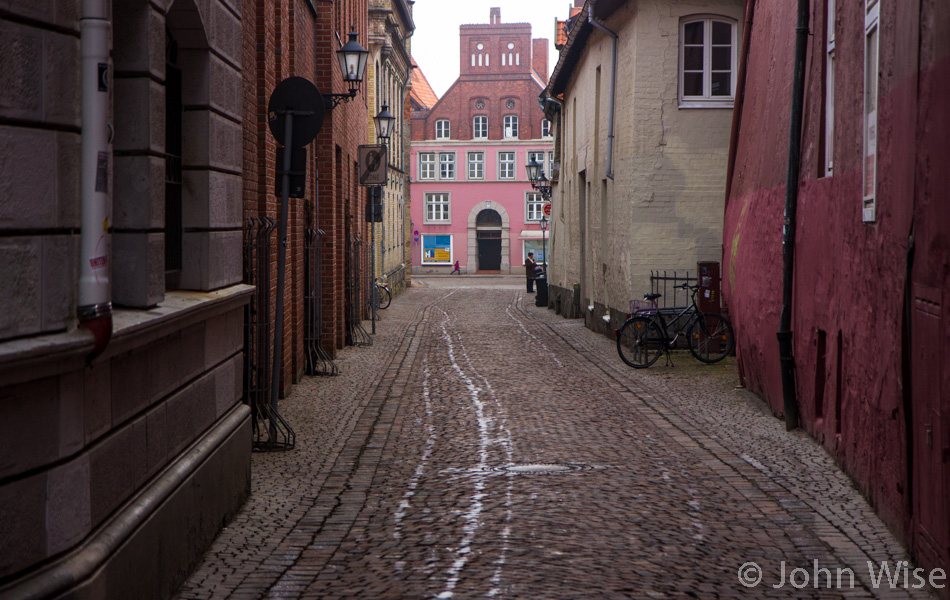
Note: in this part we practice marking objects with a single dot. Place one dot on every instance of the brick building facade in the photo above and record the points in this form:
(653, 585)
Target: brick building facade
(643, 122)
(471, 201)
(389, 84)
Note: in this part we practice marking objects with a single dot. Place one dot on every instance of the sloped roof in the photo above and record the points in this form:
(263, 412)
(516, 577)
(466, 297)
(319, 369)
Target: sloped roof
(563, 27)
(421, 92)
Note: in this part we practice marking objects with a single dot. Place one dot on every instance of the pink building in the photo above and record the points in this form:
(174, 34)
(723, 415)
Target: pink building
(471, 201)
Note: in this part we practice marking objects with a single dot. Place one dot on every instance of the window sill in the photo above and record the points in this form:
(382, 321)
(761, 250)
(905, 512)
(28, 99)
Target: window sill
(688, 104)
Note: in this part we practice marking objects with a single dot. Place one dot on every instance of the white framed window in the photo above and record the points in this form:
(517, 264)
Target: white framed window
(872, 37)
(545, 128)
(829, 122)
(534, 205)
(707, 63)
(550, 170)
(537, 247)
(437, 207)
(511, 126)
(442, 129)
(480, 127)
(446, 165)
(476, 165)
(436, 249)
(538, 155)
(506, 165)
(426, 165)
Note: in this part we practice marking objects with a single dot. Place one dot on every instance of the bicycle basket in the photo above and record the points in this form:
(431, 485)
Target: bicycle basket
(641, 305)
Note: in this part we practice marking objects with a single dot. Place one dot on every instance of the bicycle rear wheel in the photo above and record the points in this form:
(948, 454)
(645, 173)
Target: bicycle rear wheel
(640, 342)
(384, 297)
(711, 338)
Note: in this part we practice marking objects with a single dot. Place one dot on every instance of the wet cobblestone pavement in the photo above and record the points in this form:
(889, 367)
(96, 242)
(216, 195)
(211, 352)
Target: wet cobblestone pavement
(487, 448)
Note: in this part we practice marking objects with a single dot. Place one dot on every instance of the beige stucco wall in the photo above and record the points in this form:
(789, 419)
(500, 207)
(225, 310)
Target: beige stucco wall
(663, 208)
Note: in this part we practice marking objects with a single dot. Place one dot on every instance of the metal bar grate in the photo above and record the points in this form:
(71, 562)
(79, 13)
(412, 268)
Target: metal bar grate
(356, 335)
(270, 430)
(318, 361)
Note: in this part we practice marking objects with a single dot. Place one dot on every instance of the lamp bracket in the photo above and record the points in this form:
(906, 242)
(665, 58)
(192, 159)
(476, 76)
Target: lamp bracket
(331, 101)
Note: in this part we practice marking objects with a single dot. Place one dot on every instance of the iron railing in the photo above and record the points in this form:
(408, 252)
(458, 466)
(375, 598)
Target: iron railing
(665, 282)
(355, 334)
(318, 361)
(270, 430)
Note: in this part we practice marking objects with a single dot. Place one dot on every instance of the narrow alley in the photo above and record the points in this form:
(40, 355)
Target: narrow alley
(487, 448)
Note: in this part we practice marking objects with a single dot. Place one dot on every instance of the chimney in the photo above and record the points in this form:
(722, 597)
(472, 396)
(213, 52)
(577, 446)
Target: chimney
(495, 16)
(539, 58)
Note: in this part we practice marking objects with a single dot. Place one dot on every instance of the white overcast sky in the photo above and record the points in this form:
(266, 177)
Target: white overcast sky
(435, 43)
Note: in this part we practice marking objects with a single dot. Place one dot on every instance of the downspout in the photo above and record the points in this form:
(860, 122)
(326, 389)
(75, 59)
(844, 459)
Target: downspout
(613, 86)
(790, 399)
(95, 287)
(740, 96)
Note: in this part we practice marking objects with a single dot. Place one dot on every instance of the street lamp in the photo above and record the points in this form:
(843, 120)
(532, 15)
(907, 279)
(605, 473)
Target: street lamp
(352, 57)
(385, 122)
(534, 170)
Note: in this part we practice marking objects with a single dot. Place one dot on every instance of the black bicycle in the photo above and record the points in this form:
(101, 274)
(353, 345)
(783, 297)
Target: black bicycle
(384, 296)
(645, 335)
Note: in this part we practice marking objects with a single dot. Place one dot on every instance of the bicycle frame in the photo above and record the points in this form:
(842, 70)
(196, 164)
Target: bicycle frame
(657, 315)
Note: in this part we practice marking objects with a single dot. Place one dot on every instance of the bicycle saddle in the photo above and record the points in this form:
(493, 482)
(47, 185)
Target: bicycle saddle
(651, 296)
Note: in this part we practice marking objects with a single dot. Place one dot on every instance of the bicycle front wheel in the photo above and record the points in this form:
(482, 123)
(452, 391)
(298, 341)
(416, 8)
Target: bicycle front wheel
(384, 297)
(711, 338)
(640, 342)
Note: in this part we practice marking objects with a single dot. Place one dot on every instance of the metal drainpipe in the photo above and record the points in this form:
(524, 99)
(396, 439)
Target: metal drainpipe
(790, 399)
(95, 286)
(613, 86)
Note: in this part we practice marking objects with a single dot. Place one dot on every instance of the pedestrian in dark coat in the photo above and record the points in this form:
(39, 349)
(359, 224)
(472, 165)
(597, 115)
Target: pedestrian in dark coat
(529, 270)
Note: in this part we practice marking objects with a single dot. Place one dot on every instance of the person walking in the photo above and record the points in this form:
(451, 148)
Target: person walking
(457, 269)
(529, 269)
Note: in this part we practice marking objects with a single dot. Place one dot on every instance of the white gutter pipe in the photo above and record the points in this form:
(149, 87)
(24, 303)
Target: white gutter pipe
(95, 286)
(613, 86)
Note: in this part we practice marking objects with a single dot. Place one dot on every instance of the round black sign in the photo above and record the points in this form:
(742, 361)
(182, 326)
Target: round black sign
(302, 97)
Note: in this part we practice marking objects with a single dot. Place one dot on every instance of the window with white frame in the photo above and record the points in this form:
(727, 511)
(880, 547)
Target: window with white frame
(447, 165)
(538, 156)
(708, 49)
(550, 170)
(534, 205)
(480, 127)
(829, 121)
(872, 37)
(427, 165)
(437, 207)
(442, 129)
(476, 165)
(511, 126)
(506, 165)
(545, 128)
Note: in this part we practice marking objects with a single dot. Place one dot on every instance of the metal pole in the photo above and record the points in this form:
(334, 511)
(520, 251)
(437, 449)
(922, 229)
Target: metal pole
(374, 293)
(789, 396)
(281, 265)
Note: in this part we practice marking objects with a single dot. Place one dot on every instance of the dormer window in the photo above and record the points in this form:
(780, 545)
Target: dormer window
(442, 129)
(511, 125)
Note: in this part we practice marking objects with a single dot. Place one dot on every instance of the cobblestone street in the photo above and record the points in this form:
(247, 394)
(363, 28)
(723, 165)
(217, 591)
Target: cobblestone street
(487, 448)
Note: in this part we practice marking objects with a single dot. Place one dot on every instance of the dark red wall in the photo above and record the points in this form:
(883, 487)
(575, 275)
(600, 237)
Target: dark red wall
(849, 295)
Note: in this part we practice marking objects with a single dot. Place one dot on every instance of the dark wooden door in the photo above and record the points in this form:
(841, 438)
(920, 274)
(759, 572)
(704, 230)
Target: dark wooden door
(489, 254)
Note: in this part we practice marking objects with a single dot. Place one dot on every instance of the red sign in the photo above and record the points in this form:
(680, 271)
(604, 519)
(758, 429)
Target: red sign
(546, 209)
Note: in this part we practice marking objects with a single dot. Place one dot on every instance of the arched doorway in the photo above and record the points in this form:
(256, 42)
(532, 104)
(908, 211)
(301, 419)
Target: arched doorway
(488, 227)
